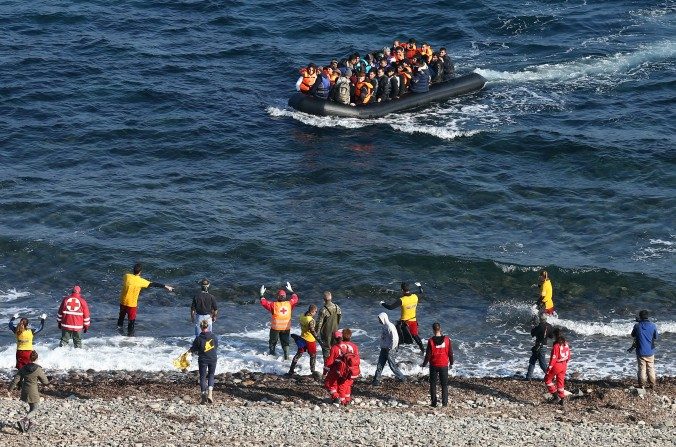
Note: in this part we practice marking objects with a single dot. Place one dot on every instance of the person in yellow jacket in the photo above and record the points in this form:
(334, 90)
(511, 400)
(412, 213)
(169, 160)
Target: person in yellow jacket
(280, 326)
(307, 341)
(132, 284)
(24, 338)
(408, 303)
(546, 293)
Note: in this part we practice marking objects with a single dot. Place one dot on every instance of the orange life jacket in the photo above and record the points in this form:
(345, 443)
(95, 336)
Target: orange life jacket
(427, 54)
(334, 76)
(410, 52)
(281, 316)
(308, 80)
(405, 77)
(357, 92)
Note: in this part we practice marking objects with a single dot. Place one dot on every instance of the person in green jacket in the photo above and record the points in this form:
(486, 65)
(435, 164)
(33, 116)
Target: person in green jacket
(28, 376)
(327, 323)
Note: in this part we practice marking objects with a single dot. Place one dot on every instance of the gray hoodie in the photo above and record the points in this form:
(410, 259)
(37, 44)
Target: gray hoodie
(389, 339)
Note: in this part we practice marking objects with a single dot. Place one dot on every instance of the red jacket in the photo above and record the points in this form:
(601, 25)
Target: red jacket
(335, 356)
(73, 313)
(560, 354)
(439, 355)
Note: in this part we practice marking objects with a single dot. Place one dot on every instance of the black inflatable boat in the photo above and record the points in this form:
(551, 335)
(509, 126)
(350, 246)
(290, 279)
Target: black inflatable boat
(455, 87)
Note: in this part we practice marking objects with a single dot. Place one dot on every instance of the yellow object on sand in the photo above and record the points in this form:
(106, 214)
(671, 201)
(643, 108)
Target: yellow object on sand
(182, 362)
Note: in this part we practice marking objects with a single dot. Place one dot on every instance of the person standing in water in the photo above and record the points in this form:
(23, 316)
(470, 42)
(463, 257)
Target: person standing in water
(73, 318)
(327, 323)
(280, 326)
(546, 293)
(132, 284)
(408, 303)
(24, 338)
(29, 375)
(541, 332)
(203, 307)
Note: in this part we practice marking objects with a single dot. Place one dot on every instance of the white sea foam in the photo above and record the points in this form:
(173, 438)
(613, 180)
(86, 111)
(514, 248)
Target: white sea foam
(586, 67)
(11, 295)
(656, 249)
(617, 328)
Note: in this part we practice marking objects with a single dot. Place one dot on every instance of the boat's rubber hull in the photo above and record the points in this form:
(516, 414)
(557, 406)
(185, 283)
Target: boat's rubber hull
(455, 87)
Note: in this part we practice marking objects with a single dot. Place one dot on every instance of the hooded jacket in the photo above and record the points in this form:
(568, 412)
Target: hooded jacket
(29, 375)
(388, 337)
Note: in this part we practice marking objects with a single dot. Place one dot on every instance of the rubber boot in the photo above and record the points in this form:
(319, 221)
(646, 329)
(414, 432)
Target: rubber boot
(293, 367)
(286, 352)
(210, 395)
(203, 398)
(130, 328)
(531, 368)
(313, 364)
(120, 323)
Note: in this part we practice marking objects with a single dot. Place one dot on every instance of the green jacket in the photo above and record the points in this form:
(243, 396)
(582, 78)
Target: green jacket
(29, 376)
(327, 322)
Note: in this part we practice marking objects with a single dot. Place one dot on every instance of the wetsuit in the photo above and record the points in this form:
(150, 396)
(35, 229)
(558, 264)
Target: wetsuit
(541, 332)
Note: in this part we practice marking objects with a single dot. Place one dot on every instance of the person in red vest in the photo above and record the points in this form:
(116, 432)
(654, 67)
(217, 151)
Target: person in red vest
(342, 367)
(280, 326)
(73, 318)
(439, 355)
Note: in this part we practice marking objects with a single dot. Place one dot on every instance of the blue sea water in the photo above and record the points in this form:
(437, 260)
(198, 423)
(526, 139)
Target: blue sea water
(159, 132)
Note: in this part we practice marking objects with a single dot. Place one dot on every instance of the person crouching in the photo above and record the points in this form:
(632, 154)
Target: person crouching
(205, 346)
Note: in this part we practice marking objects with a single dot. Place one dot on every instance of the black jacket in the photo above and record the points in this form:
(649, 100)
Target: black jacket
(542, 332)
(449, 69)
(205, 345)
(394, 86)
(383, 92)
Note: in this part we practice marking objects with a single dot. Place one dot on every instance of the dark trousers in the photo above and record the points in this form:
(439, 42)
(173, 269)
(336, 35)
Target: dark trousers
(283, 337)
(442, 373)
(207, 371)
(537, 356)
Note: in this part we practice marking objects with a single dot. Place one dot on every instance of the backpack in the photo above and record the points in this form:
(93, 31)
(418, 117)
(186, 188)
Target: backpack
(349, 366)
(343, 92)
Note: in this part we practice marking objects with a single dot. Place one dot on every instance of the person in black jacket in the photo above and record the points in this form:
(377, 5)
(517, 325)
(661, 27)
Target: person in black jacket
(436, 69)
(420, 82)
(449, 69)
(541, 332)
(383, 92)
(205, 345)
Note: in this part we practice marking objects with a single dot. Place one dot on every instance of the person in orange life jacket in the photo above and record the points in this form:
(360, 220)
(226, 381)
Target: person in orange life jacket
(408, 304)
(339, 373)
(404, 73)
(541, 332)
(439, 355)
(205, 346)
(132, 284)
(558, 364)
(449, 68)
(389, 340)
(24, 338)
(307, 341)
(411, 49)
(393, 80)
(363, 90)
(280, 327)
(425, 51)
(28, 376)
(308, 77)
(73, 318)
(383, 91)
(420, 81)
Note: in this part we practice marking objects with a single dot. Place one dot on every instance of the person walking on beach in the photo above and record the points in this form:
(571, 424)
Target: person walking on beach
(24, 338)
(546, 300)
(132, 284)
(558, 364)
(29, 375)
(73, 318)
(439, 355)
(408, 303)
(307, 340)
(389, 340)
(541, 332)
(645, 335)
(205, 346)
(342, 367)
(280, 325)
(327, 323)
(203, 307)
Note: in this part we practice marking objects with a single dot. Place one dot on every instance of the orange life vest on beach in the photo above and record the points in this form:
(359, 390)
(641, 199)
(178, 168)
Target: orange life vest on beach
(357, 92)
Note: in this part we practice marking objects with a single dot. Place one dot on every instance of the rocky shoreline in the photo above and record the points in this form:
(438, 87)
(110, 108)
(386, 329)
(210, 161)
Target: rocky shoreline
(121, 408)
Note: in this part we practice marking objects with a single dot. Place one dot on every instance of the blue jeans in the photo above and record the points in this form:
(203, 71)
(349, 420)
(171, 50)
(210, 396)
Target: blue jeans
(539, 356)
(198, 320)
(386, 357)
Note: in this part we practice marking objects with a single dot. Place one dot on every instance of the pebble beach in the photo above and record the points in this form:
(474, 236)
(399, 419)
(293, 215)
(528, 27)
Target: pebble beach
(255, 409)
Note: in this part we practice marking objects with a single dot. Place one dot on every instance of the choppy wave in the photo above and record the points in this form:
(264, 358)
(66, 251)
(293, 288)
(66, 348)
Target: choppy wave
(11, 295)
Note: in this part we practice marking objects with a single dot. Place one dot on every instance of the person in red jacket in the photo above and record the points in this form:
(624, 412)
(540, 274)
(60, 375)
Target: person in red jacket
(280, 325)
(558, 364)
(341, 367)
(439, 355)
(73, 318)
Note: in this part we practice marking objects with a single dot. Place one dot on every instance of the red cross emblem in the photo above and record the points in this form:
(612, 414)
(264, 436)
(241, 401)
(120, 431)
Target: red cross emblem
(283, 310)
(73, 304)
